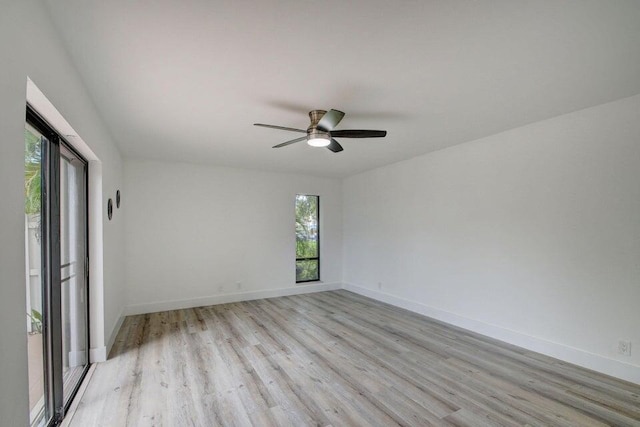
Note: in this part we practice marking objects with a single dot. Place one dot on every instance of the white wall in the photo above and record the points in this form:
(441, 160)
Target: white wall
(29, 46)
(531, 235)
(193, 232)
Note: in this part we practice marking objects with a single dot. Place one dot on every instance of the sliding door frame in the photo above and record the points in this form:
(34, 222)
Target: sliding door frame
(51, 269)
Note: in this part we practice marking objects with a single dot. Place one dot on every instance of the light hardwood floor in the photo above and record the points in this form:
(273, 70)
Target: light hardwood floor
(335, 359)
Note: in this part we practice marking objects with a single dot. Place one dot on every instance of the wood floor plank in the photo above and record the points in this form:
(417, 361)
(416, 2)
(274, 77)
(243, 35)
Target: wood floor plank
(335, 359)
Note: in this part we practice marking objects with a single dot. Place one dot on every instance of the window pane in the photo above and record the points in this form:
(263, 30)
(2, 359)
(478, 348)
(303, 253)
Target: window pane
(306, 226)
(34, 280)
(307, 270)
(73, 257)
(307, 238)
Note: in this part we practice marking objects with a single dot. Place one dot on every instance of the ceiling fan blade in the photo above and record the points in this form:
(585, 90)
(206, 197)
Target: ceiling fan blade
(293, 141)
(359, 133)
(280, 127)
(335, 146)
(330, 120)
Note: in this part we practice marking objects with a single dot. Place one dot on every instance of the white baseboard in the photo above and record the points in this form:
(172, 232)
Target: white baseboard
(227, 298)
(614, 368)
(98, 354)
(114, 332)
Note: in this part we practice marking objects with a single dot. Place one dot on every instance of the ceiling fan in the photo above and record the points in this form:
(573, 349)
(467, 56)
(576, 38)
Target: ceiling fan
(321, 133)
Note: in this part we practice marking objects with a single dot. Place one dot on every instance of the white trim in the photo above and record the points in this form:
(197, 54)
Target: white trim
(614, 368)
(98, 354)
(114, 332)
(96, 258)
(226, 298)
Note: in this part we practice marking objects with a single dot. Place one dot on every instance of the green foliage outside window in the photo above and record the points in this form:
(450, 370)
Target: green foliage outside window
(32, 173)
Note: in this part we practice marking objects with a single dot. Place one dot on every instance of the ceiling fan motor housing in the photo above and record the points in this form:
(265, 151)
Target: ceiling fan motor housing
(312, 131)
(315, 116)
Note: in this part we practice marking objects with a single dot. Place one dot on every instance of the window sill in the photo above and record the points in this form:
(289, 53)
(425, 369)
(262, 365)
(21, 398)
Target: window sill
(309, 282)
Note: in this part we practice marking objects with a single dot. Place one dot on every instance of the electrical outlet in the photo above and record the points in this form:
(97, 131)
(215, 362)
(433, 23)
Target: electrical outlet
(239, 285)
(379, 285)
(624, 347)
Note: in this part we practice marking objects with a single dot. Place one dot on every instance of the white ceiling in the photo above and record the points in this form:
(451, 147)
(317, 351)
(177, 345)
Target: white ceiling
(185, 80)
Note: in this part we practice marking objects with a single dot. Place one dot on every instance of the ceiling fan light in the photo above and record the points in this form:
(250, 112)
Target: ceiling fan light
(318, 142)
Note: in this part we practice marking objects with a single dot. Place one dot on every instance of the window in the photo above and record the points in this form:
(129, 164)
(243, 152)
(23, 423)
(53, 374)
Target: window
(307, 238)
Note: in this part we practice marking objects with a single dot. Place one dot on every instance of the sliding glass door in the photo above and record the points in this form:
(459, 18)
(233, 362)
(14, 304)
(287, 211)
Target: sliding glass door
(56, 269)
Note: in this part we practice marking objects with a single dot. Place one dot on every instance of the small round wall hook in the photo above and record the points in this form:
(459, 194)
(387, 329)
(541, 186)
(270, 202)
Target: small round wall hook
(109, 209)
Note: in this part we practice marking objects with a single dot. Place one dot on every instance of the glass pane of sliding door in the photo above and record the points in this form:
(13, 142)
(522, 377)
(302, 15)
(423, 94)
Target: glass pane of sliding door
(34, 142)
(73, 255)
